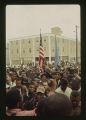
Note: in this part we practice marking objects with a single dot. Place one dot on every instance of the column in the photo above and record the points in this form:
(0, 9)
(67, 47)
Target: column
(10, 55)
(69, 50)
(20, 53)
(61, 48)
(33, 53)
(49, 50)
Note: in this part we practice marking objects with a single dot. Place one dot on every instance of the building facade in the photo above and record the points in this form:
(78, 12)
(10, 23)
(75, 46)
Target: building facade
(26, 49)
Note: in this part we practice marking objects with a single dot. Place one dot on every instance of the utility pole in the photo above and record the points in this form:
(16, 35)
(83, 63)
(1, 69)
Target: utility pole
(76, 45)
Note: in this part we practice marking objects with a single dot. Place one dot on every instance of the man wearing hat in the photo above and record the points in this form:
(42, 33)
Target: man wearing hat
(40, 93)
(64, 89)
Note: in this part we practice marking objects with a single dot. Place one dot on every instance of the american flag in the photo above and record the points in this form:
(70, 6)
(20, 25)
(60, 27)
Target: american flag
(41, 55)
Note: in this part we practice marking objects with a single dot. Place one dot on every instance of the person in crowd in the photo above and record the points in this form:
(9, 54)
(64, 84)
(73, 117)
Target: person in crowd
(40, 93)
(54, 75)
(23, 74)
(70, 77)
(76, 84)
(36, 82)
(64, 74)
(76, 74)
(43, 78)
(25, 80)
(19, 86)
(13, 103)
(64, 89)
(31, 92)
(58, 78)
(35, 86)
(54, 105)
(52, 85)
(25, 90)
(45, 85)
(14, 77)
(30, 98)
(76, 102)
(8, 82)
(47, 91)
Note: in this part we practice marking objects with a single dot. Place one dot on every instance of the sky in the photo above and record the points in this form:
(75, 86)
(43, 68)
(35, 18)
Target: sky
(26, 20)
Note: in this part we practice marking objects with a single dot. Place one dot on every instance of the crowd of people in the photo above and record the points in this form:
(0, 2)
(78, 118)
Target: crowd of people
(51, 93)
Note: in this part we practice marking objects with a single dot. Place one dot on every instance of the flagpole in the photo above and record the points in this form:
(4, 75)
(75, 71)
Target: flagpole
(40, 30)
(56, 53)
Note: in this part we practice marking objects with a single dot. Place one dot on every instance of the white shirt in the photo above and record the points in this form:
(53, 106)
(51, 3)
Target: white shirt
(9, 85)
(13, 84)
(67, 92)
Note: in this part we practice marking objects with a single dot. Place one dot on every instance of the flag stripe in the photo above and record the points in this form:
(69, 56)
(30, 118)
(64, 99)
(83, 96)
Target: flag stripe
(41, 55)
(41, 48)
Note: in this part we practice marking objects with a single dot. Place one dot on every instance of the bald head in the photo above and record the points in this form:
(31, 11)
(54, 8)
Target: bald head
(55, 105)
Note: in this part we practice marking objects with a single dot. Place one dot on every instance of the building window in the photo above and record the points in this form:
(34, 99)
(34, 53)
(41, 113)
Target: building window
(44, 48)
(23, 51)
(23, 41)
(37, 49)
(12, 51)
(37, 41)
(53, 50)
(30, 50)
(29, 41)
(16, 42)
(63, 49)
(17, 51)
(63, 40)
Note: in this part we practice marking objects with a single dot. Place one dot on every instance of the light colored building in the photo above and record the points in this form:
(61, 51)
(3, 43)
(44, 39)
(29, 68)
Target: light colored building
(26, 49)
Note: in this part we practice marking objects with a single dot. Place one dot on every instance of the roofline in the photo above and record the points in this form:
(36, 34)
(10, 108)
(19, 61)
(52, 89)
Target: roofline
(38, 35)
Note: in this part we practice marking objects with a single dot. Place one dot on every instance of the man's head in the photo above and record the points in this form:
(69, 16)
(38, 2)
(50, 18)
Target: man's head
(14, 76)
(8, 78)
(75, 98)
(54, 75)
(76, 83)
(25, 88)
(45, 84)
(75, 72)
(40, 92)
(36, 82)
(64, 74)
(52, 84)
(64, 84)
(18, 83)
(23, 74)
(58, 76)
(54, 105)
(31, 88)
(13, 98)
(43, 78)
